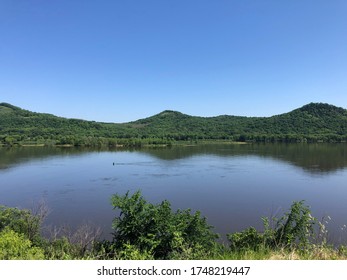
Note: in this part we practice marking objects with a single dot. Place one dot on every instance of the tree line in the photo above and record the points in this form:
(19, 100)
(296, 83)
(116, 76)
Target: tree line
(314, 122)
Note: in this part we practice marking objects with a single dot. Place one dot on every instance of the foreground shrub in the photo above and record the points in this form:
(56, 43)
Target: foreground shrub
(249, 239)
(22, 221)
(294, 230)
(296, 227)
(61, 249)
(156, 229)
(14, 246)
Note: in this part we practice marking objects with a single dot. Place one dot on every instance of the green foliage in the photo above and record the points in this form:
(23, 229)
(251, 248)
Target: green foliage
(145, 231)
(249, 239)
(315, 122)
(21, 221)
(156, 229)
(132, 252)
(61, 249)
(15, 246)
(295, 229)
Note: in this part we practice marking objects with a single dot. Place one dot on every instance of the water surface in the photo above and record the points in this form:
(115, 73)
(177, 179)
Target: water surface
(232, 185)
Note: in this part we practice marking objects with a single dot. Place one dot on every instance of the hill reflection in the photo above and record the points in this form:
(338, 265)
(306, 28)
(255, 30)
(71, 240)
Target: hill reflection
(312, 158)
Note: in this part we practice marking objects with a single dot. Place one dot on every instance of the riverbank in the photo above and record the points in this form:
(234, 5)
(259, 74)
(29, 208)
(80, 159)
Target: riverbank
(144, 231)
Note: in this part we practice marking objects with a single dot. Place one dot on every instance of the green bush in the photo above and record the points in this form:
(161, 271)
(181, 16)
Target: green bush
(249, 239)
(14, 246)
(60, 249)
(295, 229)
(157, 230)
(132, 252)
(22, 222)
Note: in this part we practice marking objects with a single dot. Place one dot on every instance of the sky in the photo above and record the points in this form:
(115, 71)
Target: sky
(119, 61)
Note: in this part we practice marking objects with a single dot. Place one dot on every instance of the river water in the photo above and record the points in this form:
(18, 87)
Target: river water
(232, 185)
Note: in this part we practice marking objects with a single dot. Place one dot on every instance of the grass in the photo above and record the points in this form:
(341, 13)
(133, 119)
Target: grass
(317, 252)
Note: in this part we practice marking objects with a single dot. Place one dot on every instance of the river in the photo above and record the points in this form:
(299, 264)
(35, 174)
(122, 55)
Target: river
(232, 185)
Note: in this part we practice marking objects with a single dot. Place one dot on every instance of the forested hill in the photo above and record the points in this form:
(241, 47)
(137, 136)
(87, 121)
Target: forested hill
(315, 121)
(312, 122)
(18, 126)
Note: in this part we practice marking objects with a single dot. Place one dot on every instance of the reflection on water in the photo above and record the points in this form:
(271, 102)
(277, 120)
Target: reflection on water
(233, 185)
(314, 158)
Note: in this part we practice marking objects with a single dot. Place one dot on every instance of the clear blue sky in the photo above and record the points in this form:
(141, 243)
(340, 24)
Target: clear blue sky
(117, 61)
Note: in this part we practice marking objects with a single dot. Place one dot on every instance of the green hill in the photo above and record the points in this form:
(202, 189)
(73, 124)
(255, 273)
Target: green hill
(312, 122)
(18, 125)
